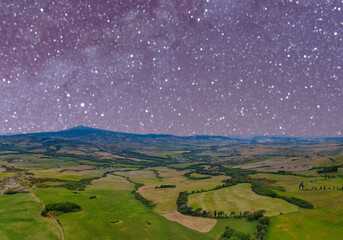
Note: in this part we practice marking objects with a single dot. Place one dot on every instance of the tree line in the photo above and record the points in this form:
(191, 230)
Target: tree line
(260, 189)
(166, 186)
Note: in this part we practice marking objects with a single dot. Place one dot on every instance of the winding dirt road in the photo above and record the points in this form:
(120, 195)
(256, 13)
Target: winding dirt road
(52, 217)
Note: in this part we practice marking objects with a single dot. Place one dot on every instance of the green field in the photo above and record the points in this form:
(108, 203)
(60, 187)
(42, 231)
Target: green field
(238, 199)
(20, 219)
(131, 220)
(57, 173)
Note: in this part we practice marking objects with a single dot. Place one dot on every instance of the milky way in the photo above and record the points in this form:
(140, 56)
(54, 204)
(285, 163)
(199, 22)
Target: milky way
(217, 67)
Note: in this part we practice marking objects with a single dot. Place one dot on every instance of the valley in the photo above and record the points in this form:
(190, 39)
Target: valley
(130, 186)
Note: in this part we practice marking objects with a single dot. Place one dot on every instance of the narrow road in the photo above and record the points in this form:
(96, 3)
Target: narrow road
(52, 217)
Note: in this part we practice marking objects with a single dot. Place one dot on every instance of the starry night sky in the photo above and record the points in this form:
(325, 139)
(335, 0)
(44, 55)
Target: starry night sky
(184, 67)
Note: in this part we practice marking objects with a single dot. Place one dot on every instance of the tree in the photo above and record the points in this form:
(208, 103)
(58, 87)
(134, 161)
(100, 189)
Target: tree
(259, 214)
(251, 217)
(246, 213)
(264, 220)
(198, 211)
(260, 235)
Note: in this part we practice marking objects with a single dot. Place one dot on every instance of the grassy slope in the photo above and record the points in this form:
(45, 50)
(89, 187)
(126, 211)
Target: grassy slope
(324, 222)
(93, 222)
(67, 175)
(239, 198)
(240, 224)
(20, 219)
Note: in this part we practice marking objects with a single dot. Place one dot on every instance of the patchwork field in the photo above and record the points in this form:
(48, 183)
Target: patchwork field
(279, 163)
(114, 214)
(100, 171)
(165, 198)
(238, 199)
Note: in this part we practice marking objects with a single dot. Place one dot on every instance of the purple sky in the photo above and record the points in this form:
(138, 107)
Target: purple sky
(223, 67)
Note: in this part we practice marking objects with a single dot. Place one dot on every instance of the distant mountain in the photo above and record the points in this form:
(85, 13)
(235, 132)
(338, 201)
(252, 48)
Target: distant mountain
(100, 136)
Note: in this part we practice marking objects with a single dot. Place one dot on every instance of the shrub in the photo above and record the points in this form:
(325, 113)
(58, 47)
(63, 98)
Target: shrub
(328, 169)
(63, 207)
(11, 192)
(44, 213)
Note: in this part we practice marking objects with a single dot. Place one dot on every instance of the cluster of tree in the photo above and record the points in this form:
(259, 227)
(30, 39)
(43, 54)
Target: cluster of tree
(330, 169)
(182, 199)
(259, 188)
(255, 215)
(44, 213)
(143, 200)
(199, 191)
(199, 212)
(190, 177)
(236, 180)
(208, 172)
(63, 207)
(232, 234)
(262, 227)
(199, 168)
(298, 202)
(11, 192)
(219, 214)
(238, 173)
(166, 186)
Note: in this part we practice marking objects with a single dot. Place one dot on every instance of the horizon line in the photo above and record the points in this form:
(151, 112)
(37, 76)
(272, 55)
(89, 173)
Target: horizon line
(166, 134)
